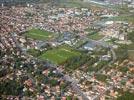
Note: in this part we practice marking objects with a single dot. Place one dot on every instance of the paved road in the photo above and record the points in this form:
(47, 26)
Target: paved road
(103, 44)
(73, 85)
(67, 77)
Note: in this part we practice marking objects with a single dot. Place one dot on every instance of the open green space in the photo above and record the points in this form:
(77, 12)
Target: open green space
(98, 67)
(126, 96)
(131, 54)
(34, 52)
(131, 46)
(101, 77)
(59, 55)
(122, 52)
(91, 31)
(78, 4)
(39, 34)
(131, 51)
(95, 36)
(127, 18)
(71, 4)
(79, 43)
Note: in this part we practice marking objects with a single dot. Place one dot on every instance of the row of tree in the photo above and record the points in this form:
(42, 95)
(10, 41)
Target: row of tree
(131, 36)
(11, 87)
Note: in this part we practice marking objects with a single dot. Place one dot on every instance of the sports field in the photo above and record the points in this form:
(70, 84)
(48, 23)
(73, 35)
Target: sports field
(39, 34)
(59, 55)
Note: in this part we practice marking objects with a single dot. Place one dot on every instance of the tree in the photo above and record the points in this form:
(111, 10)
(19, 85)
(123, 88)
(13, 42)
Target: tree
(122, 53)
(53, 82)
(101, 77)
(11, 87)
(34, 52)
(131, 36)
(69, 98)
(126, 96)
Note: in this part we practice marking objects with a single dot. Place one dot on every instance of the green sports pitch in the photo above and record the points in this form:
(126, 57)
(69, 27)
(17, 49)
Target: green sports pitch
(59, 55)
(39, 34)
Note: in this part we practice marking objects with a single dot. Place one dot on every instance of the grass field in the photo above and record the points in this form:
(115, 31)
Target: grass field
(59, 55)
(131, 51)
(39, 34)
(131, 54)
(91, 31)
(79, 4)
(95, 36)
(122, 18)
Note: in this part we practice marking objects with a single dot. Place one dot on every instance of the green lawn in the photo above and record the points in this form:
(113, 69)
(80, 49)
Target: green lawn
(39, 34)
(131, 51)
(101, 77)
(126, 96)
(71, 5)
(131, 46)
(122, 18)
(79, 43)
(95, 36)
(79, 4)
(91, 31)
(33, 52)
(59, 55)
(131, 54)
